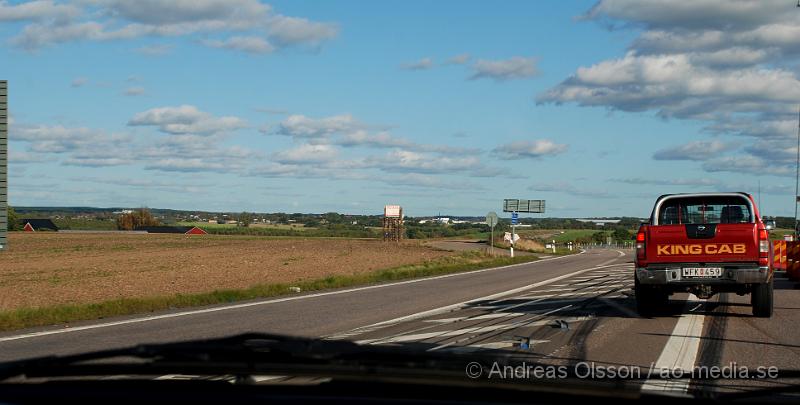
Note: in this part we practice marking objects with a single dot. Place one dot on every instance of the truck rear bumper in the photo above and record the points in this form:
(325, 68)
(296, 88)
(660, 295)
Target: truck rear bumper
(731, 274)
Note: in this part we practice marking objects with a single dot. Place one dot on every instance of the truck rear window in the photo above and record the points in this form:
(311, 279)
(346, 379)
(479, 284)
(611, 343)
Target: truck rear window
(705, 210)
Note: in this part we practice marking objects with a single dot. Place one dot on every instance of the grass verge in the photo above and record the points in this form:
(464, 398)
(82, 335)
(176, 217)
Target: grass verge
(31, 317)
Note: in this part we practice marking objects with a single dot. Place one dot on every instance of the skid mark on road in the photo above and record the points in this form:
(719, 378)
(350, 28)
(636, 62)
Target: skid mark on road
(496, 322)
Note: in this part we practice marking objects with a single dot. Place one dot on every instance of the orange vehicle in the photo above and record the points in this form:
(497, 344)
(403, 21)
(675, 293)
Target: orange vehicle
(703, 244)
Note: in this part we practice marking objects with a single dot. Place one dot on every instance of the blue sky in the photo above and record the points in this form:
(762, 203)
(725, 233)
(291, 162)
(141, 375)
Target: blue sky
(596, 107)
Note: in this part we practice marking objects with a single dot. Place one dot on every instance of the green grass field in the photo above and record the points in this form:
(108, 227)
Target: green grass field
(777, 233)
(559, 235)
(208, 225)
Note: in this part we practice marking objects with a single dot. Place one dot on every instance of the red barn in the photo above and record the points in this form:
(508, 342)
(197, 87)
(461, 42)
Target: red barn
(196, 231)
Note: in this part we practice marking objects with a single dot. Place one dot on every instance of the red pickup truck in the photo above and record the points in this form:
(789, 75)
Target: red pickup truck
(703, 244)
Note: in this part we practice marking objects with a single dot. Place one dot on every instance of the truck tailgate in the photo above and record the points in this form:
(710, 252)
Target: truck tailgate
(702, 243)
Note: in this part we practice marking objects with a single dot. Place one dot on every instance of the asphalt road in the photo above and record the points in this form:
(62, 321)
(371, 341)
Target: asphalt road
(567, 309)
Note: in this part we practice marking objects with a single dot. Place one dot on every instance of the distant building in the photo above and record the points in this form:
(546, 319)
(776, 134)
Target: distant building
(38, 224)
(600, 222)
(186, 230)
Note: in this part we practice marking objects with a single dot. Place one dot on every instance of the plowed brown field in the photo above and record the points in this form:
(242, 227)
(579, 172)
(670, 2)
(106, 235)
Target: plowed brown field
(42, 269)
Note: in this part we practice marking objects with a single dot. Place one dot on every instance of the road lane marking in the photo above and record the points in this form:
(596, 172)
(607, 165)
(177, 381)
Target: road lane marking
(459, 305)
(532, 322)
(258, 303)
(680, 352)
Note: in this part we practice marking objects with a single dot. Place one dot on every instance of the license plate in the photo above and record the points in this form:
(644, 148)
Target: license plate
(702, 272)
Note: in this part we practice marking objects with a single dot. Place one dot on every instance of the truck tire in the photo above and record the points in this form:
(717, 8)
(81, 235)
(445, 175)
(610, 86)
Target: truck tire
(650, 300)
(761, 298)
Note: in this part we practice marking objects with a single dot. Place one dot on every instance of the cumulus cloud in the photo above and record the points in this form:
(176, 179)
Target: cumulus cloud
(517, 67)
(81, 145)
(529, 149)
(301, 126)
(415, 162)
(306, 153)
(186, 119)
(37, 10)
(422, 64)
(21, 157)
(248, 25)
(695, 150)
(385, 139)
(748, 164)
(726, 63)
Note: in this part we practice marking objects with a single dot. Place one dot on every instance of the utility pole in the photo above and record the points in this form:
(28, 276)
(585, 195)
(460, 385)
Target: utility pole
(797, 175)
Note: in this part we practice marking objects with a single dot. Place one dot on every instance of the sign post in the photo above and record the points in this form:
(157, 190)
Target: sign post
(491, 220)
(514, 221)
(515, 206)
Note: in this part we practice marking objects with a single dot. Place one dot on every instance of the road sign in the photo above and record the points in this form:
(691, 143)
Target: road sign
(516, 205)
(491, 219)
(514, 218)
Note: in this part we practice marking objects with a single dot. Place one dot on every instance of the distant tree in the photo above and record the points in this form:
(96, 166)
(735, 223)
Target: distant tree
(599, 237)
(133, 220)
(13, 219)
(245, 218)
(621, 234)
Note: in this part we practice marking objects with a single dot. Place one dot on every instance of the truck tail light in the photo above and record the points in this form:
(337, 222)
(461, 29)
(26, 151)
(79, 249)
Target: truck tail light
(641, 252)
(763, 247)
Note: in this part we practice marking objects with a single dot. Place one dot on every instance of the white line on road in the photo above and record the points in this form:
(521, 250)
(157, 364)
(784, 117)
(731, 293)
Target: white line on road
(253, 304)
(680, 352)
(451, 307)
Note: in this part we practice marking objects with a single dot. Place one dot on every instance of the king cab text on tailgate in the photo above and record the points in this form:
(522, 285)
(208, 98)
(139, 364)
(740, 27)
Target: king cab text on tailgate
(703, 244)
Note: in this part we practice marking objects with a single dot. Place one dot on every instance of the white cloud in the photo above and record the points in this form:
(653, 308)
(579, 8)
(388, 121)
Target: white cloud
(306, 153)
(80, 145)
(529, 149)
(726, 63)
(695, 150)
(385, 139)
(300, 126)
(293, 30)
(254, 45)
(109, 20)
(37, 10)
(19, 157)
(749, 165)
(517, 67)
(422, 64)
(186, 119)
(414, 162)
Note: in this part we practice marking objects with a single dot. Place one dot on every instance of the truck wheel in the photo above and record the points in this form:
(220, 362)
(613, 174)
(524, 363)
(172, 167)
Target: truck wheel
(761, 298)
(650, 300)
